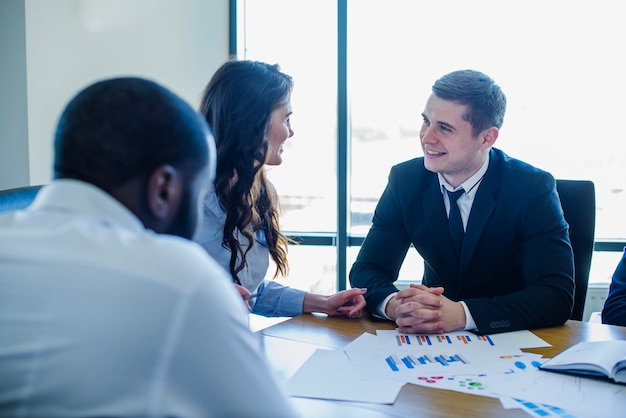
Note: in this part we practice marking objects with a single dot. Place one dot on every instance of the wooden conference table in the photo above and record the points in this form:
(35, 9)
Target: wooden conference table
(288, 345)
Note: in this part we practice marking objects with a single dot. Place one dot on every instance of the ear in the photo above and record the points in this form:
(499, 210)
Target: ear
(164, 189)
(489, 137)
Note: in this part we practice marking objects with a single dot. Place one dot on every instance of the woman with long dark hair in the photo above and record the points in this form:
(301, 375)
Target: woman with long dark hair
(248, 106)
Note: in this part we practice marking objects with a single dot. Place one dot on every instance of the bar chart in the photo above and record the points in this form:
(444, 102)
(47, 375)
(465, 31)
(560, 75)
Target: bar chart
(404, 340)
(415, 361)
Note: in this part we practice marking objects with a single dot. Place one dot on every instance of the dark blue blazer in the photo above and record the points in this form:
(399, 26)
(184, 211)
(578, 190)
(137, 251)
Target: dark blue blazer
(516, 268)
(614, 311)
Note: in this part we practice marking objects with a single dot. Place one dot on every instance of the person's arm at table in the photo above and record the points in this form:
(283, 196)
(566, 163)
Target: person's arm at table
(382, 252)
(344, 303)
(275, 299)
(614, 310)
(541, 239)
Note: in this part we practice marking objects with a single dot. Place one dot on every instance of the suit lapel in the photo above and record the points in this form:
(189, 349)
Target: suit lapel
(482, 209)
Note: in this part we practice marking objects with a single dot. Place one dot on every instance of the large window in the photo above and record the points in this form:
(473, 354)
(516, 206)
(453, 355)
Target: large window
(557, 61)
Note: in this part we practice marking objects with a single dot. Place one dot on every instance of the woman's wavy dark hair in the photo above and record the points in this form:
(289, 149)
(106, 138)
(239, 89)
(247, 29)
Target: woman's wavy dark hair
(238, 103)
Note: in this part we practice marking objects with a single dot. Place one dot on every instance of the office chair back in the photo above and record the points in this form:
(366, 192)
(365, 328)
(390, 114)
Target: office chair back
(18, 198)
(578, 200)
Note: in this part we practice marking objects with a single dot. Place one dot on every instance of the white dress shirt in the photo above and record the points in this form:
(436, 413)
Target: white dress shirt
(101, 317)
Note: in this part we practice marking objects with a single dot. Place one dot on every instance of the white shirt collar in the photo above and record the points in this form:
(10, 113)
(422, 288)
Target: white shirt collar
(470, 185)
(86, 199)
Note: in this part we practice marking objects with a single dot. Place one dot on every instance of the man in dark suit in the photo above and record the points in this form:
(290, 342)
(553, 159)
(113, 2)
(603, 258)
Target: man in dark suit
(498, 258)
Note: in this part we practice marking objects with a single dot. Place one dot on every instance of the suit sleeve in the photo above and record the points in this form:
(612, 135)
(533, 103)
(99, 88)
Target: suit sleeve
(614, 311)
(540, 239)
(384, 249)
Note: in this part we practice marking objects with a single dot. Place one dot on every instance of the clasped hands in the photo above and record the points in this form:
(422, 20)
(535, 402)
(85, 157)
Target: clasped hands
(425, 310)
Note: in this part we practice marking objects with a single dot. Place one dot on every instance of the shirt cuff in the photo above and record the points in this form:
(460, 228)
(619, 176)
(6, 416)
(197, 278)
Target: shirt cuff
(469, 319)
(380, 311)
(277, 300)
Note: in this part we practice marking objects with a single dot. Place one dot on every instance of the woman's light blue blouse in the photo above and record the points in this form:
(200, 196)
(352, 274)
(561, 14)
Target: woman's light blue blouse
(274, 299)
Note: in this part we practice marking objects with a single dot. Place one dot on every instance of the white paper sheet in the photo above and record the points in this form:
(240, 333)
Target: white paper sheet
(581, 396)
(329, 374)
(385, 357)
(463, 339)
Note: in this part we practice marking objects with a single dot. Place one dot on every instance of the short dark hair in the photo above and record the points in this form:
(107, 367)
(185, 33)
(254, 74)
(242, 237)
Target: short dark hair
(123, 128)
(485, 100)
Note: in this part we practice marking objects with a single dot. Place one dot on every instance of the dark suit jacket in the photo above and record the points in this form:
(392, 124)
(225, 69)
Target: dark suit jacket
(614, 311)
(516, 268)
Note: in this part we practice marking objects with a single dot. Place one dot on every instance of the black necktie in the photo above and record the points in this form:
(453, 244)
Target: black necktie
(455, 223)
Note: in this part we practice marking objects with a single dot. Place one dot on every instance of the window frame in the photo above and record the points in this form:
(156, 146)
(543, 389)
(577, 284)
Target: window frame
(342, 239)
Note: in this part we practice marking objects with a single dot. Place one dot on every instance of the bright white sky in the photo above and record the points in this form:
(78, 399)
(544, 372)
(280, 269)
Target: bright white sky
(559, 62)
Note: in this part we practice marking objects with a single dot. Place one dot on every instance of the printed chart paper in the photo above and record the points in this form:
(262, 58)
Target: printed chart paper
(329, 374)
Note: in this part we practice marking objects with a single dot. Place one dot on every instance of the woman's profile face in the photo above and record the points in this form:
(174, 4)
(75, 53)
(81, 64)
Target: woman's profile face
(279, 131)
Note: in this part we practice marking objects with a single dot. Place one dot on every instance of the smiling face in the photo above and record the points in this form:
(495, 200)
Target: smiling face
(449, 146)
(279, 131)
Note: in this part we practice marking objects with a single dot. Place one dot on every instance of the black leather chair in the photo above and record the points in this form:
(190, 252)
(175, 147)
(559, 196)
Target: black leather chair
(18, 198)
(578, 200)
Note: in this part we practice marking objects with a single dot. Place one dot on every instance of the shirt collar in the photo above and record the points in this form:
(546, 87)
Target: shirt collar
(470, 185)
(84, 199)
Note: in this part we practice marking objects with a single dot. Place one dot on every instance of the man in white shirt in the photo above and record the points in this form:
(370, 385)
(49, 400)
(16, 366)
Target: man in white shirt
(106, 306)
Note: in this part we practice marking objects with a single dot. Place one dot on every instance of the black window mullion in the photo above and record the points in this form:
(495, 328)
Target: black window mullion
(342, 144)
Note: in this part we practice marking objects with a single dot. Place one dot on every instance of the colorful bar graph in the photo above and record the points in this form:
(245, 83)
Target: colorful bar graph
(403, 340)
(408, 362)
(411, 362)
(392, 364)
(487, 339)
(444, 339)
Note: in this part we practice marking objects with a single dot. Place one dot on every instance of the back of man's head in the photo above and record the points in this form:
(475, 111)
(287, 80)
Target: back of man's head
(121, 129)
